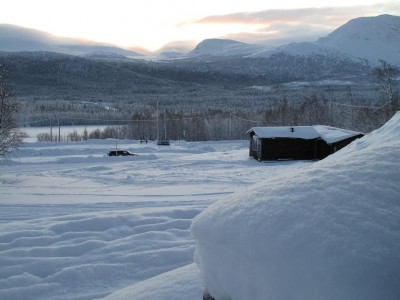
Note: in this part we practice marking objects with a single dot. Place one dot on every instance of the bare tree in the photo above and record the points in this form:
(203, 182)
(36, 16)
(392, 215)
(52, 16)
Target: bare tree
(10, 136)
(386, 76)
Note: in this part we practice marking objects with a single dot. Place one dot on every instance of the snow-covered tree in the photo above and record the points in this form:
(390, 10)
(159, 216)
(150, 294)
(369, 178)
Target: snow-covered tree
(10, 136)
(386, 75)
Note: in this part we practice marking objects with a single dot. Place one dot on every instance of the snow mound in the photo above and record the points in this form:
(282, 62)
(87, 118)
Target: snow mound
(181, 283)
(330, 230)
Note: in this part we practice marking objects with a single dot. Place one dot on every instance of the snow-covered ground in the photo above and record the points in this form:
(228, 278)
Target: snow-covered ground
(77, 224)
(329, 230)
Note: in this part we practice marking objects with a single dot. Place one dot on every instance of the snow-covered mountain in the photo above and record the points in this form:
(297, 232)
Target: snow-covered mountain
(15, 39)
(372, 38)
(363, 39)
(366, 39)
(351, 51)
(224, 47)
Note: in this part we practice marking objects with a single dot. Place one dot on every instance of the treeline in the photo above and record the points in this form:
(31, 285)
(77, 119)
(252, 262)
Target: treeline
(196, 100)
(66, 77)
(220, 125)
(54, 84)
(282, 67)
(246, 102)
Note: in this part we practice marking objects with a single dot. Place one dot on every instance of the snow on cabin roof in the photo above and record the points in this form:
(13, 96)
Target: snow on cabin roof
(333, 134)
(302, 132)
(327, 133)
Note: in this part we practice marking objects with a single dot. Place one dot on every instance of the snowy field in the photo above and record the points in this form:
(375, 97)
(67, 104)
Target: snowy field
(77, 224)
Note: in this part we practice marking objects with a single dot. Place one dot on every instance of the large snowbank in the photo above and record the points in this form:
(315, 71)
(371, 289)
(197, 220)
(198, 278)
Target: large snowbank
(330, 230)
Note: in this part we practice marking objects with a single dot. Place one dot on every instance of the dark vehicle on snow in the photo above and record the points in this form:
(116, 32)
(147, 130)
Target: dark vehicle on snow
(120, 153)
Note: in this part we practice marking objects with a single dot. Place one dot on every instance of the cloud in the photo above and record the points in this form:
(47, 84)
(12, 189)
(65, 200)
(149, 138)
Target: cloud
(278, 34)
(291, 25)
(327, 16)
(178, 46)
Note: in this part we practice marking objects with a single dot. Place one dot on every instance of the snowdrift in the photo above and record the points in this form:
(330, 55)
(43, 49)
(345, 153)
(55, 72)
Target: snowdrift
(181, 283)
(330, 230)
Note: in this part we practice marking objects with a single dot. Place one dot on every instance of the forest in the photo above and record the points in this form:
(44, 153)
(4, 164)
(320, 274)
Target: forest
(195, 100)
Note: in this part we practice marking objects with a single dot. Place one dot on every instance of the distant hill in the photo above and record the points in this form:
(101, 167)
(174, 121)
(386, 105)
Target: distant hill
(60, 76)
(44, 66)
(223, 47)
(372, 38)
(364, 40)
(351, 51)
(16, 39)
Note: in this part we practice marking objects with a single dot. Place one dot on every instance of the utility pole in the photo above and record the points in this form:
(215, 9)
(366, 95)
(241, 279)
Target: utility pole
(158, 125)
(51, 130)
(59, 129)
(230, 126)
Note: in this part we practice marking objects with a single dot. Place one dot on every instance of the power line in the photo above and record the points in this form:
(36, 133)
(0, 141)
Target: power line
(184, 118)
(359, 106)
(246, 120)
(142, 120)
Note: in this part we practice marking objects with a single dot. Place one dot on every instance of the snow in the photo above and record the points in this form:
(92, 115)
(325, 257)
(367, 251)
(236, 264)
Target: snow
(224, 47)
(332, 134)
(372, 38)
(302, 132)
(182, 283)
(329, 230)
(326, 82)
(77, 224)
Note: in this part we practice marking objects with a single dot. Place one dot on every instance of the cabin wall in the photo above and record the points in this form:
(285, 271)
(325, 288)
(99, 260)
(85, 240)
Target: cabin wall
(288, 149)
(323, 149)
(343, 143)
(254, 146)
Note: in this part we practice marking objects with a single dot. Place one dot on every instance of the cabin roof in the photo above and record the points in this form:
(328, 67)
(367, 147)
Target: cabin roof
(332, 134)
(327, 133)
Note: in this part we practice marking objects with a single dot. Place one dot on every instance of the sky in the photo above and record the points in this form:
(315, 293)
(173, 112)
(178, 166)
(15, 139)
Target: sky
(173, 24)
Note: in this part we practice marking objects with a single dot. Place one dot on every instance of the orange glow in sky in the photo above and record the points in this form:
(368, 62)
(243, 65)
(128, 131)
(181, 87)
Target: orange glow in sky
(153, 23)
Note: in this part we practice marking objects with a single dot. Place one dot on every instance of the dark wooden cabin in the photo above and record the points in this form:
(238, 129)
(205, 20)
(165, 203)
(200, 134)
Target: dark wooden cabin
(298, 142)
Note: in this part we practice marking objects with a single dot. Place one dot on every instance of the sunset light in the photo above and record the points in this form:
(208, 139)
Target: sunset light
(199, 149)
(152, 24)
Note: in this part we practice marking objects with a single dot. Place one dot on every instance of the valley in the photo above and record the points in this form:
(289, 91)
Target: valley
(238, 84)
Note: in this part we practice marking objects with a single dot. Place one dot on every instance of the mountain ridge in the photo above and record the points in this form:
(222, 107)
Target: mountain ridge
(15, 38)
(323, 59)
(365, 38)
(373, 38)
